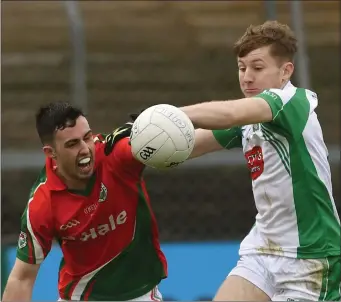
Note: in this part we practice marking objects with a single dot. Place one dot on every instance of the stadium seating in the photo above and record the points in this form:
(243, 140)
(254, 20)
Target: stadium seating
(142, 53)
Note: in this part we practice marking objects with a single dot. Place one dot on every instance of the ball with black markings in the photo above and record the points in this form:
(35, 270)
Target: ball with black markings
(162, 137)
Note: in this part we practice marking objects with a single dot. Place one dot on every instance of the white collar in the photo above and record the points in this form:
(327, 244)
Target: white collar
(287, 85)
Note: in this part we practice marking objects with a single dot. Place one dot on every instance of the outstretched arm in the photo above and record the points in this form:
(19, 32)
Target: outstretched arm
(205, 142)
(227, 114)
(34, 244)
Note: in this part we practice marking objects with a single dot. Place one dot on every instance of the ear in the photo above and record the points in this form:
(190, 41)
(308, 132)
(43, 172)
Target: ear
(287, 71)
(49, 151)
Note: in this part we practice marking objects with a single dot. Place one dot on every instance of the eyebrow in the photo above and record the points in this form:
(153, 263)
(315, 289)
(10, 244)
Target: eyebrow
(257, 60)
(73, 140)
(252, 61)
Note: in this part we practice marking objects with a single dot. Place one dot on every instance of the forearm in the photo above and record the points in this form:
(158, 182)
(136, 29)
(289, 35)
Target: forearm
(210, 115)
(18, 290)
(227, 114)
(205, 142)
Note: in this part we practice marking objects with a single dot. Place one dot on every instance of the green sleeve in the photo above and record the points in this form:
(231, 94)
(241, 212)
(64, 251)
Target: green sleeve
(290, 109)
(229, 138)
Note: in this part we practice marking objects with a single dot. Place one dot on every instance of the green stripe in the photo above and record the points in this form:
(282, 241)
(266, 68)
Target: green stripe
(284, 154)
(41, 179)
(330, 289)
(318, 229)
(324, 281)
(269, 132)
(275, 145)
(23, 253)
(67, 292)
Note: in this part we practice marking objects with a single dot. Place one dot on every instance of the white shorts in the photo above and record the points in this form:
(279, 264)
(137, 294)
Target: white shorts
(153, 295)
(290, 279)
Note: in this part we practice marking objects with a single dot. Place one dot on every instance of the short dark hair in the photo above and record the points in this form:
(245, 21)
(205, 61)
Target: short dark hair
(55, 116)
(279, 36)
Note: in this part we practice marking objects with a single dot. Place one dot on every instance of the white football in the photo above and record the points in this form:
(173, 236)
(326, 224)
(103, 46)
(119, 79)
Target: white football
(162, 137)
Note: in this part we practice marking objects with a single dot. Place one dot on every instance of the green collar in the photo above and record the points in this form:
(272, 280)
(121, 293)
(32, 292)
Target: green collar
(87, 191)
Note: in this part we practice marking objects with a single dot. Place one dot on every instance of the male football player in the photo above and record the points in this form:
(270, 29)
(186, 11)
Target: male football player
(90, 197)
(293, 251)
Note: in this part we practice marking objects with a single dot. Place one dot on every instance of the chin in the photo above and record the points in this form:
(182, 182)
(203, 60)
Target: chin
(85, 175)
(247, 95)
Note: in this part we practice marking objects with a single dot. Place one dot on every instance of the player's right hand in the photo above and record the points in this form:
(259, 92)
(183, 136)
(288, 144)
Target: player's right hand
(134, 116)
(117, 135)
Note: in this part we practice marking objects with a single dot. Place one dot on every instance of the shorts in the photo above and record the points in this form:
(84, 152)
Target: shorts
(290, 279)
(153, 295)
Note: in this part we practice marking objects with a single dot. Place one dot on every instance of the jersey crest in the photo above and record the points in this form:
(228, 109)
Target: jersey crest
(103, 193)
(22, 242)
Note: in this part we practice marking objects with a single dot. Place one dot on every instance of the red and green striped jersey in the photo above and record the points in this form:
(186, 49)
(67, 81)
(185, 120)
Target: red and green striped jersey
(107, 233)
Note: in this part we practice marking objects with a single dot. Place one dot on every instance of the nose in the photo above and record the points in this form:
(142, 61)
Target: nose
(84, 148)
(248, 76)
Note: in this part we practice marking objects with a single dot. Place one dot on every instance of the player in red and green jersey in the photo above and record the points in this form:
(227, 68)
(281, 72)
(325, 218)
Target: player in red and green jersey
(91, 198)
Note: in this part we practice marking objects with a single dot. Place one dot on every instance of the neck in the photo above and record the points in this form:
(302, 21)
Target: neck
(284, 84)
(71, 183)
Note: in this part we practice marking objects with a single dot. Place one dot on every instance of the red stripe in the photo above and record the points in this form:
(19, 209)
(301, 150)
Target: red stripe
(31, 257)
(89, 290)
(152, 295)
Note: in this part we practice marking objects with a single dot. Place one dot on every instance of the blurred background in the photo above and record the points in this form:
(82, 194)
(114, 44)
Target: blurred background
(113, 58)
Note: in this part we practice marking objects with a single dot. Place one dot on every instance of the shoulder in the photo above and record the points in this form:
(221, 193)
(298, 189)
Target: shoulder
(40, 189)
(279, 95)
(291, 92)
(300, 99)
(40, 196)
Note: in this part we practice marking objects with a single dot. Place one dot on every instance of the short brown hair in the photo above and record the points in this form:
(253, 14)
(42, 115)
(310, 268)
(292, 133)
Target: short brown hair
(281, 38)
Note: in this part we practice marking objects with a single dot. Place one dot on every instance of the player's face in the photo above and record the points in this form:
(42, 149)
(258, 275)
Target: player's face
(74, 151)
(258, 71)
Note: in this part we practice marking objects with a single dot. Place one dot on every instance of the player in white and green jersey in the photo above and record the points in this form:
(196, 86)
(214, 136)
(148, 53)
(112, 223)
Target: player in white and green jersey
(293, 251)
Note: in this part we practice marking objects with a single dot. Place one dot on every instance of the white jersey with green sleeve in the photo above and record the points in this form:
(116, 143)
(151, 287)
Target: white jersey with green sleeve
(291, 179)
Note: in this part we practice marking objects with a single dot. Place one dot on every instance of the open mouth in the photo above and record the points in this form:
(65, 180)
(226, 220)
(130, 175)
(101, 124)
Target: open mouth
(84, 164)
